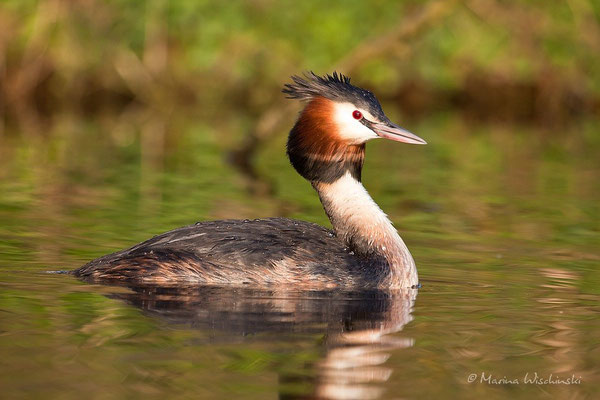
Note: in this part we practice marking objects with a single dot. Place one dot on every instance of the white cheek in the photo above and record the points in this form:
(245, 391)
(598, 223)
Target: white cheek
(349, 128)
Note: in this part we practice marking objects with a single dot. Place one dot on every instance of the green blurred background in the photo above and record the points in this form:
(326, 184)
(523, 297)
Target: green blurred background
(122, 119)
(535, 62)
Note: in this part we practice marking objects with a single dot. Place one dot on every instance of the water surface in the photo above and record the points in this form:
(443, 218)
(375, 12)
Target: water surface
(502, 221)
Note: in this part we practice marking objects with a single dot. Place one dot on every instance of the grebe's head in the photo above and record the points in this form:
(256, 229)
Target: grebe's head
(328, 139)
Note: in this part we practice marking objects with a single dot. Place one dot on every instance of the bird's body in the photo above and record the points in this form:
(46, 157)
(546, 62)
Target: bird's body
(239, 252)
(326, 146)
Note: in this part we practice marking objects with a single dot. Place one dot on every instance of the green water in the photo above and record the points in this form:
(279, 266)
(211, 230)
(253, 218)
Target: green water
(503, 222)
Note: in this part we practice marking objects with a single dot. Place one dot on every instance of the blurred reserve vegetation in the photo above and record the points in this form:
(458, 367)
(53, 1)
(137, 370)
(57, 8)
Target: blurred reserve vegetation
(121, 62)
(107, 91)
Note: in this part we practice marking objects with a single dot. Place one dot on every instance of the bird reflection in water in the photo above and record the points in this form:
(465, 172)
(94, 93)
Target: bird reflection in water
(357, 327)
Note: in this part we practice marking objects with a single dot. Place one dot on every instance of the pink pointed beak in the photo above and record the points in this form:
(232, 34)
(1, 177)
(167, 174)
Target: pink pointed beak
(394, 132)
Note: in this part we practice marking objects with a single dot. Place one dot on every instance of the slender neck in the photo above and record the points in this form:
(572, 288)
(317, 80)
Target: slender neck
(365, 229)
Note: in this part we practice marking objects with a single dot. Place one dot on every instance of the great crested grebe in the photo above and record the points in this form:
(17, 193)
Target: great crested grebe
(327, 147)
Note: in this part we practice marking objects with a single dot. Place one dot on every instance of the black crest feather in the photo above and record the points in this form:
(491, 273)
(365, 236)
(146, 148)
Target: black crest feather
(310, 85)
(334, 87)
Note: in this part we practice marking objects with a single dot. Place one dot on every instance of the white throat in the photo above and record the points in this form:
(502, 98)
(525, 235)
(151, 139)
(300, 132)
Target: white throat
(364, 227)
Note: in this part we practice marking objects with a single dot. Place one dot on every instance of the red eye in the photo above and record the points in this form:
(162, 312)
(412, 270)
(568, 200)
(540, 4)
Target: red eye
(357, 114)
